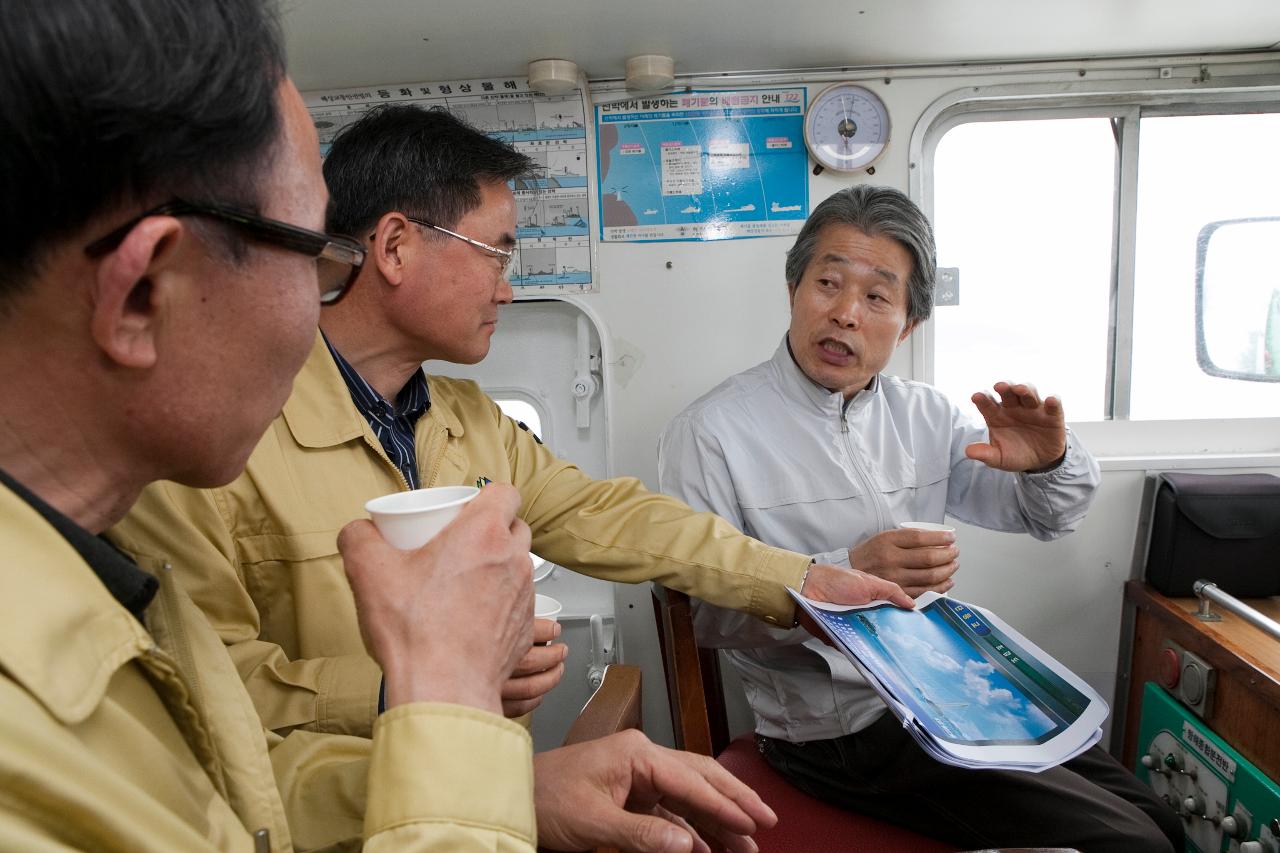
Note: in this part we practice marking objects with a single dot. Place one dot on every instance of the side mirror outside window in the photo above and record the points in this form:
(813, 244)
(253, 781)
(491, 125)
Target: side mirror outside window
(1238, 299)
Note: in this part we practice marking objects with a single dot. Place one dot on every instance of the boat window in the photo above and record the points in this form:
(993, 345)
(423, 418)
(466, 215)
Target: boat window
(1074, 235)
(1024, 210)
(1176, 199)
(523, 411)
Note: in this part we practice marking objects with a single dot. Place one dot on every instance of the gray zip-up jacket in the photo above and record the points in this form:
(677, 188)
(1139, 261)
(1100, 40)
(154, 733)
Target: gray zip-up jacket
(788, 462)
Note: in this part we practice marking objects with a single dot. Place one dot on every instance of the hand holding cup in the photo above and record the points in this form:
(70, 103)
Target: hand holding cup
(542, 666)
(409, 520)
(448, 621)
(919, 556)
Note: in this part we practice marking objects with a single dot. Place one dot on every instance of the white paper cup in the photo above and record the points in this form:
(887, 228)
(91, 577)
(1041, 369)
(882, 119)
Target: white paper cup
(546, 607)
(541, 568)
(409, 520)
(927, 525)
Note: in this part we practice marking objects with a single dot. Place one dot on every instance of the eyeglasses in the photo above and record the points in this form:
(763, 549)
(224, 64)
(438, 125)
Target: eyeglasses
(338, 259)
(502, 256)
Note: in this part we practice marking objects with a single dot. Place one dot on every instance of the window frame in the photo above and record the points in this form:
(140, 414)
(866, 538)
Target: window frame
(1125, 102)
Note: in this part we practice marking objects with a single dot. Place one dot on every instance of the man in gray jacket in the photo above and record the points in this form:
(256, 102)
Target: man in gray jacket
(816, 451)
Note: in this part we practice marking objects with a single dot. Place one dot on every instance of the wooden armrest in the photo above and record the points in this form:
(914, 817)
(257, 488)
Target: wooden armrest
(614, 707)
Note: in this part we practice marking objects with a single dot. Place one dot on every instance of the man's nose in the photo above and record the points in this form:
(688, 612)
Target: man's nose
(847, 312)
(504, 294)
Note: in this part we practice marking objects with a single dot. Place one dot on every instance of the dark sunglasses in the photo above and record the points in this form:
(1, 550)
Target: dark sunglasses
(338, 258)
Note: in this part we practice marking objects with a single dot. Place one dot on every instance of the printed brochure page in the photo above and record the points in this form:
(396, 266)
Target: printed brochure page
(973, 691)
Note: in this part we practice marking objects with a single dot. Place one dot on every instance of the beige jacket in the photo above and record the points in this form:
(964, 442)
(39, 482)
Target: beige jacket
(260, 556)
(118, 737)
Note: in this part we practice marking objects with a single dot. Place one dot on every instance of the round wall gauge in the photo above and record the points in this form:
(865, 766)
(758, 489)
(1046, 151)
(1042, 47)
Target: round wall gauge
(846, 127)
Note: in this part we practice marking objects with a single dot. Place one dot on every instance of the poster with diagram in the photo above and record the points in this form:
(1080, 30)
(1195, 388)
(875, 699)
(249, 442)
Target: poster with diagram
(714, 165)
(555, 251)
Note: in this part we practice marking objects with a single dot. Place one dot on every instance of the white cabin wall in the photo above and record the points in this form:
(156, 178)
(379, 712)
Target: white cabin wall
(721, 308)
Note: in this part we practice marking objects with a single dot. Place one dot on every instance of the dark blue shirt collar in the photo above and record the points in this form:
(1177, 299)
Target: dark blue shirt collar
(392, 423)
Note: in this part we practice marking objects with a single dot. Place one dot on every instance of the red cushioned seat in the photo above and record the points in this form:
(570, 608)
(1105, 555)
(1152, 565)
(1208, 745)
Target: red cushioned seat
(808, 825)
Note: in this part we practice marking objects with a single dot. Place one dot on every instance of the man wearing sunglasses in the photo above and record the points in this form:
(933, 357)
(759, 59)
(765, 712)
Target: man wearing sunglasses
(429, 195)
(159, 289)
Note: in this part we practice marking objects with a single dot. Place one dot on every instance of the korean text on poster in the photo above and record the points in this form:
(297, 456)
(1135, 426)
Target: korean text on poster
(712, 165)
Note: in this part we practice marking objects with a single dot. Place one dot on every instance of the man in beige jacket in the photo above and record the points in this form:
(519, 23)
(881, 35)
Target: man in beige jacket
(160, 283)
(429, 197)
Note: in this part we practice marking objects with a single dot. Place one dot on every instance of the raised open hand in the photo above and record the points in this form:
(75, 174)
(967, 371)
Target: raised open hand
(1024, 433)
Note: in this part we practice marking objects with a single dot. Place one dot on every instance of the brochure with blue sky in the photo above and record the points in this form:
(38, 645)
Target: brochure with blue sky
(971, 689)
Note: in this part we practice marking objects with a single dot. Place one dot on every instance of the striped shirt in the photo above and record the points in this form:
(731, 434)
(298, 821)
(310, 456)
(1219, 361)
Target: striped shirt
(392, 423)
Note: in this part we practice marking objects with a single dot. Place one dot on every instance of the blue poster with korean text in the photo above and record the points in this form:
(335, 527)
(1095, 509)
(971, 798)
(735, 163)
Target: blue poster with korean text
(711, 165)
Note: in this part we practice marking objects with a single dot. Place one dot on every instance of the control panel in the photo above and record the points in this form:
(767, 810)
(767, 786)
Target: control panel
(1226, 804)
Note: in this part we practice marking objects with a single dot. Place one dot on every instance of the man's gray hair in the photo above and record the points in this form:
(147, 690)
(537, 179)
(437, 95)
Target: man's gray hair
(876, 212)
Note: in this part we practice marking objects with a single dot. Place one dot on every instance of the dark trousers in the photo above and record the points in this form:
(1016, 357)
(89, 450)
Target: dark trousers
(1091, 803)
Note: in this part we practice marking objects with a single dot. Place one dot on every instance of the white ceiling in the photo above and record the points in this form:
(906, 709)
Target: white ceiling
(338, 43)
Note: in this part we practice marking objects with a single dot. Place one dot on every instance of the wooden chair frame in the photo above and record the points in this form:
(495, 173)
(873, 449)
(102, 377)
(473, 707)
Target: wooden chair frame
(700, 721)
(614, 707)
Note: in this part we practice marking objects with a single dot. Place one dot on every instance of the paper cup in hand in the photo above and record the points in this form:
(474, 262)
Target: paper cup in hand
(927, 525)
(545, 607)
(409, 520)
(541, 568)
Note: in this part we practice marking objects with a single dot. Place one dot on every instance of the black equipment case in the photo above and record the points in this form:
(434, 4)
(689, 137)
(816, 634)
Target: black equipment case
(1220, 527)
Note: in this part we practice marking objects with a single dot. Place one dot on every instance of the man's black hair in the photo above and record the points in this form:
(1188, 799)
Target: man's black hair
(117, 104)
(427, 164)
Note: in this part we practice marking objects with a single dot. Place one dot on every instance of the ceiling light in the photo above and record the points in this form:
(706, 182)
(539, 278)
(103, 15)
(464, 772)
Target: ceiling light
(650, 73)
(553, 76)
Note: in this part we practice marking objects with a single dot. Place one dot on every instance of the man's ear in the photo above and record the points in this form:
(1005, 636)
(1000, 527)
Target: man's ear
(907, 330)
(388, 246)
(130, 292)
(791, 293)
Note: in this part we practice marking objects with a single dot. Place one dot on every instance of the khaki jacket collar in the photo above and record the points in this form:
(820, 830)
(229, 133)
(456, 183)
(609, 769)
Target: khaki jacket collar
(63, 636)
(320, 412)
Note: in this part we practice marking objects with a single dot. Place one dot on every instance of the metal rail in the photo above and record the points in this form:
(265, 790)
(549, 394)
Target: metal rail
(1208, 591)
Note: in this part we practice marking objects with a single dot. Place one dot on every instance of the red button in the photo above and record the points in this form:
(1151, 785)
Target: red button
(1168, 668)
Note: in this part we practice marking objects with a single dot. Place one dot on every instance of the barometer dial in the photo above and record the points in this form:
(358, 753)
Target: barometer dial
(846, 128)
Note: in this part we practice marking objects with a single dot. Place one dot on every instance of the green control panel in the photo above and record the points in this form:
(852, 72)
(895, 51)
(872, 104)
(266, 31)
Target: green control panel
(1225, 802)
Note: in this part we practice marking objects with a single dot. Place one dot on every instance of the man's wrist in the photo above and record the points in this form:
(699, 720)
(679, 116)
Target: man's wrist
(795, 621)
(805, 577)
(449, 683)
(1053, 466)
(470, 696)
